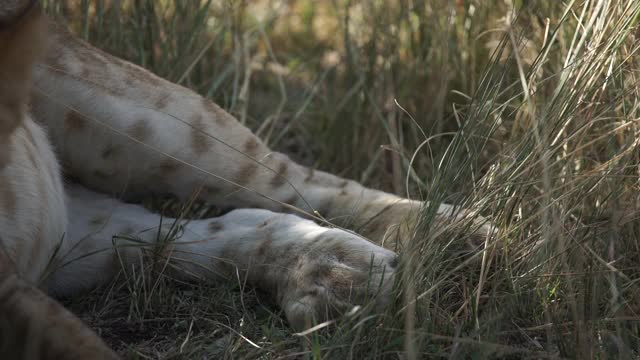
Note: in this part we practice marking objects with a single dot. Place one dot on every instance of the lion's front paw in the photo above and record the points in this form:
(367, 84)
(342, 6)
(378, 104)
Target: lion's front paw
(398, 221)
(340, 272)
(387, 221)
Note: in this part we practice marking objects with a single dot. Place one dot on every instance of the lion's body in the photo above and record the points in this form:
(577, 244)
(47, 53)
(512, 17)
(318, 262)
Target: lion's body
(120, 131)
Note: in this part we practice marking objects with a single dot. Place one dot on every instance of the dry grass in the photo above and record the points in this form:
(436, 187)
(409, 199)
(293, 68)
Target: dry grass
(528, 113)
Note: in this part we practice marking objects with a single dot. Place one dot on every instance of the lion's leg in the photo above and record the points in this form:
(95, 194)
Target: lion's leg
(120, 129)
(309, 270)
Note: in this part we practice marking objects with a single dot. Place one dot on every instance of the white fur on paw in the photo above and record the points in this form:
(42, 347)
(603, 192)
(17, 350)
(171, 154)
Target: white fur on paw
(341, 272)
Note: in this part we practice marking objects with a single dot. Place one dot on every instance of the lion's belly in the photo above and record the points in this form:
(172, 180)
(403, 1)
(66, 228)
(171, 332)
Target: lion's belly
(32, 203)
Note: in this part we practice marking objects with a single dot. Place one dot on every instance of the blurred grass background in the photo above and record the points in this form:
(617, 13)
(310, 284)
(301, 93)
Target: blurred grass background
(526, 111)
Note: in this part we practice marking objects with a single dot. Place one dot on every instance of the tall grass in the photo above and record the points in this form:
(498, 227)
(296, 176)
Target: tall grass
(525, 111)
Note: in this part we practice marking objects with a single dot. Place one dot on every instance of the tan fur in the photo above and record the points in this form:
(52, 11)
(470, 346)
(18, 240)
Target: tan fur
(19, 45)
